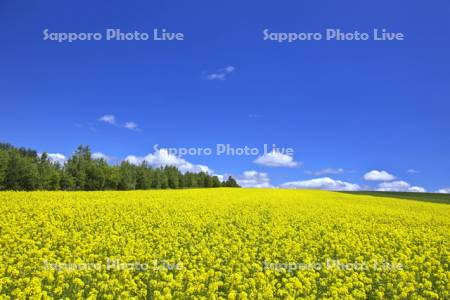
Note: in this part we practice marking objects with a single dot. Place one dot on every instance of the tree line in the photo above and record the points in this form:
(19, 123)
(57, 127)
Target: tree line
(25, 170)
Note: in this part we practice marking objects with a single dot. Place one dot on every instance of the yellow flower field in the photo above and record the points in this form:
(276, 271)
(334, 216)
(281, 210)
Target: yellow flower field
(222, 244)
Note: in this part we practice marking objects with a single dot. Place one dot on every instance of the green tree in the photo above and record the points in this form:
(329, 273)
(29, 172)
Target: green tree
(191, 180)
(112, 177)
(77, 166)
(95, 176)
(22, 173)
(208, 181)
(231, 182)
(127, 176)
(3, 168)
(67, 181)
(216, 182)
(156, 179)
(143, 177)
(164, 181)
(49, 174)
(173, 177)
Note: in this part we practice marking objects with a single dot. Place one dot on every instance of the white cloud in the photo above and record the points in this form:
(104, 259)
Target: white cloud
(162, 158)
(99, 155)
(444, 191)
(413, 171)
(135, 160)
(131, 125)
(399, 186)
(325, 183)
(220, 74)
(276, 159)
(254, 179)
(57, 158)
(326, 171)
(110, 119)
(220, 176)
(376, 175)
(417, 189)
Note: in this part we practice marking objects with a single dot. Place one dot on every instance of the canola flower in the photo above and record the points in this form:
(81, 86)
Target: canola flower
(221, 244)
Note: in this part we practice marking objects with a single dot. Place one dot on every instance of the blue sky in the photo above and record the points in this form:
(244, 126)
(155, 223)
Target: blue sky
(345, 107)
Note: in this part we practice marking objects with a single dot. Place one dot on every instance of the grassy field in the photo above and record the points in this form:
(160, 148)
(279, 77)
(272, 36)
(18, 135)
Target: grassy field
(427, 197)
(222, 244)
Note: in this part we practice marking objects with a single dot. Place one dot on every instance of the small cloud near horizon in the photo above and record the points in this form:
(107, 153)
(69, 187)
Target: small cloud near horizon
(333, 171)
(399, 186)
(325, 183)
(254, 179)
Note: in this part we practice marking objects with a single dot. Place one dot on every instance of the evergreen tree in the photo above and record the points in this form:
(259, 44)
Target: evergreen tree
(112, 177)
(127, 176)
(67, 181)
(216, 182)
(77, 166)
(164, 181)
(22, 173)
(157, 179)
(208, 181)
(95, 177)
(3, 168)
(173, 177)
(231, 182)
(144, 177)
(191, 180)
(49, 174)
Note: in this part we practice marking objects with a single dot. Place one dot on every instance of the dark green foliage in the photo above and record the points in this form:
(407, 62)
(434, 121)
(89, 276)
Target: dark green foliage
(231, 182)
(21, 172)
(426, 197)
(143, 177)
(3, 168)
(23, 169)
(67, 181)
(173, 177)
(191, 180)
(49, 174)
(216, 182)
(128, 176)
(112, 177)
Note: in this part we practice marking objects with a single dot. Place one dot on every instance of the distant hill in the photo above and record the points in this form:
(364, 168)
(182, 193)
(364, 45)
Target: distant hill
(427, 197)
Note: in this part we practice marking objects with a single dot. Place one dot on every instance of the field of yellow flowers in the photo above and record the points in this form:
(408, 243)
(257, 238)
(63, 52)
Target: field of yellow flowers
(222, 244)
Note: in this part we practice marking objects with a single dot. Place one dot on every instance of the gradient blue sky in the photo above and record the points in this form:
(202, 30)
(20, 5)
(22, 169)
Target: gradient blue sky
(355, 105)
